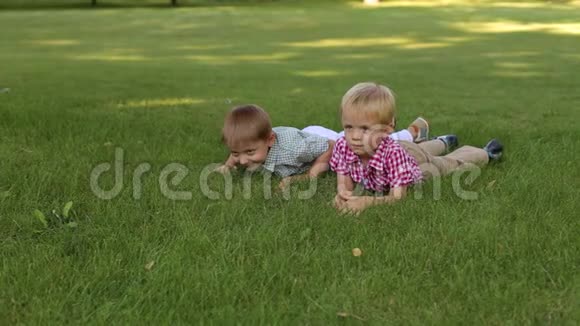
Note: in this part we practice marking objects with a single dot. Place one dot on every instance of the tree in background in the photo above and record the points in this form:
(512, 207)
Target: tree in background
(173, 2)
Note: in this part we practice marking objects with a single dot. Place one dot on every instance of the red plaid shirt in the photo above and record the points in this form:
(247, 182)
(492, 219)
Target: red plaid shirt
(390, 167)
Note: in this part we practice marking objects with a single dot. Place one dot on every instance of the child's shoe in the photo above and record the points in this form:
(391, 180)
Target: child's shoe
(421, 126)
(494, 149)
(451, 141)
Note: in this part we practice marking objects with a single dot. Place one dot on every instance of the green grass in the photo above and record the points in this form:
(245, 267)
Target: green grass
(157, 84)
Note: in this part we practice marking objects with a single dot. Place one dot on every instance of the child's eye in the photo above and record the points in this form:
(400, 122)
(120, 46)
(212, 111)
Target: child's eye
(347, 127)
(235, 154)
(364, 128)
(251, 152)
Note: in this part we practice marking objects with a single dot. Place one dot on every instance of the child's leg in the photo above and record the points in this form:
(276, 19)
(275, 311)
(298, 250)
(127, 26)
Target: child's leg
(431, 165)
(403, 135)
(321, 131)
(434, 147)
(418, 131)
(469, 154)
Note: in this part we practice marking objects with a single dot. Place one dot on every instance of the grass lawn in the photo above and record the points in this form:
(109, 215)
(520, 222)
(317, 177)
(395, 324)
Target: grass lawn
(157, 82)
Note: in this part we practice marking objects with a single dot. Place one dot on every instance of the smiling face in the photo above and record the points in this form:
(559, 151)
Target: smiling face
(248, 134)
(251, 154)
(363, 132)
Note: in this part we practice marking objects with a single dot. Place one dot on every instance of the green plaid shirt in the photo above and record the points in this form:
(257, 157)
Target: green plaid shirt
(294, 151)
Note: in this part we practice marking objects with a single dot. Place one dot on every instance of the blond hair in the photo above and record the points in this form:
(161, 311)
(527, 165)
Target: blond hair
(246, 123)
(370, 98)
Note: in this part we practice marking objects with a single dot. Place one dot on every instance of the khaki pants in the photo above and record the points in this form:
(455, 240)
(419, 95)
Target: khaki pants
(428, 156)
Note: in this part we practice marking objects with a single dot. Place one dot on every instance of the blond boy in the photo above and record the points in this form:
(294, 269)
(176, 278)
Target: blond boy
(367, 156)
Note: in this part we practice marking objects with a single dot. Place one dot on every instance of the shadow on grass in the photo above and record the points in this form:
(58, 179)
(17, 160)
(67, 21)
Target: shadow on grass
(123, 4)
(87, 5)
(503, 51)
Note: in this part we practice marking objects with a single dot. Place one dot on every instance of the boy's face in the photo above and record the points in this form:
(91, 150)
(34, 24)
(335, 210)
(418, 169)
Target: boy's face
(252, 154)
(363, 132)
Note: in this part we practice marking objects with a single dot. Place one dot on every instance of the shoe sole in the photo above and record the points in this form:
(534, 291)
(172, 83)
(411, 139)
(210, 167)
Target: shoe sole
(422, 137)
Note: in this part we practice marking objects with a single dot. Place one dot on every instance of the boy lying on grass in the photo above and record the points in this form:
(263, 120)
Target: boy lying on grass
(367, 156)
(287, 152)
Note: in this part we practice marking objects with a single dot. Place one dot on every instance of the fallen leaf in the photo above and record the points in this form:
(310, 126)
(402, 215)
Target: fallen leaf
(66, 209)
(108, 144)
(149, 265)
(40, 216)
(346, 315)
(491, 184)
(356, 252)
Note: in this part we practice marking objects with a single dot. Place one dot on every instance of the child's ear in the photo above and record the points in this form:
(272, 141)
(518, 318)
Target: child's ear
(271, 139)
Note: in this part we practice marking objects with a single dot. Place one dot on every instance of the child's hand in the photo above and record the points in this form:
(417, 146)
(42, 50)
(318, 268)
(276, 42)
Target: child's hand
(223, 169)
(285, 183)
(340, 199)
(357, 204)
(339, 202)
(345, 194)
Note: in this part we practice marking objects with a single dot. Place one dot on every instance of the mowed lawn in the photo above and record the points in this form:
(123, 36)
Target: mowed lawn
(156, 83)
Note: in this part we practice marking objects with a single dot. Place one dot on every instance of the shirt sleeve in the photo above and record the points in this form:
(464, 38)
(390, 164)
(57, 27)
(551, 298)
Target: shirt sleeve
(338, 160)
(309, 147)
(402, 169)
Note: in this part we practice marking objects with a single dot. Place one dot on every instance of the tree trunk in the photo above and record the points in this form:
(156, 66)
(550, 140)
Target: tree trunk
(93, 2)
(174, 2)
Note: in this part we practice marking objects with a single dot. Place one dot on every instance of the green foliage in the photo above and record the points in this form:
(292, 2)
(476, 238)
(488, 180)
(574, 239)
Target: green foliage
(157, 84)
(55, 219)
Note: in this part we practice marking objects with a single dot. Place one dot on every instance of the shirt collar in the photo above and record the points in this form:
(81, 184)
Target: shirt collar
(351, 157)
(272, 157)
(375, 160)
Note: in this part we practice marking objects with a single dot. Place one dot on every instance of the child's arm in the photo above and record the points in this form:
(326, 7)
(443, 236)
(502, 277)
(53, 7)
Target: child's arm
(227, 166)
(344, 188)
(319, 166)
(357, 204)
(230, 162)
(344, 184)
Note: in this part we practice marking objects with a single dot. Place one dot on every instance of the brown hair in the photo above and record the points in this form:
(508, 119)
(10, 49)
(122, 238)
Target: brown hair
(246, 123)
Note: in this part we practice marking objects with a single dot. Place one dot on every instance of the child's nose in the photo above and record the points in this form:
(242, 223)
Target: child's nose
(243, 161)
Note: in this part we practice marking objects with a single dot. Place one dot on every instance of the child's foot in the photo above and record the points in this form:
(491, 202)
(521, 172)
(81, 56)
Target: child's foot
(494, 149)
(419, 129)
(451, 141)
